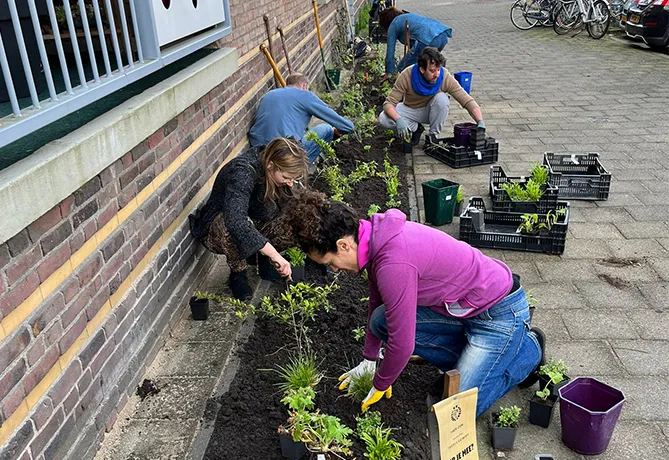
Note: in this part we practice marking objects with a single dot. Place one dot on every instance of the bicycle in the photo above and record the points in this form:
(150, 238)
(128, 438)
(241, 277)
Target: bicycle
(571, 14)
(526, 14)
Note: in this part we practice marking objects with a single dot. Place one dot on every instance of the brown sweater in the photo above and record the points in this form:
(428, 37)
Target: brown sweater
(403, 92)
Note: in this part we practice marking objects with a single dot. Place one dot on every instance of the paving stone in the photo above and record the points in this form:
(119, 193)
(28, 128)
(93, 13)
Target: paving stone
(649, 213)
(595, 231)
(632, 438)
(631, 249)
(179, 399)
(219, 327)
(551, 323)
(619, 199)
(591, 357)
(617, 272)
(555, 295)
(652, 325)
(661, 266)
(584, 324)
(643, 357)
(656, 294)
(612, 215)
(633, 230)
(586, 249)
(191, 359)
(527, 271)
(602, 295)
(575, 270)
(647, 398)
(664, 242)
(152, 439)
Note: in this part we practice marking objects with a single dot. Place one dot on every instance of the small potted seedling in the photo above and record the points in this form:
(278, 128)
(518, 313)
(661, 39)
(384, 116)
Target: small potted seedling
(541, 408)
(459, 198)
(553, 376)
(297, 259)
(293, 434)
(504, 427)
(532, 225)
(199, 304)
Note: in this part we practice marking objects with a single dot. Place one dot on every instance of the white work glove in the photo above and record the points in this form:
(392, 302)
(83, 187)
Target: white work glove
(364, 367)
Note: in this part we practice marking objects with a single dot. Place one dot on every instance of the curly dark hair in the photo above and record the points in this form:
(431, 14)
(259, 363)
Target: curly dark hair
(317, 222)
(387, 16)
(430, 55)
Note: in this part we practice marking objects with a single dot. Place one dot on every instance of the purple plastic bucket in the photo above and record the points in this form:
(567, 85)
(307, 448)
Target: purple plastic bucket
(461, 133)
(589, 411)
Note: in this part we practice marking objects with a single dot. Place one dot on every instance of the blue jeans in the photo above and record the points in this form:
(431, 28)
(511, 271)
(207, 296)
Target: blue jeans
(493, 351)
(325, 132)
(438, 42)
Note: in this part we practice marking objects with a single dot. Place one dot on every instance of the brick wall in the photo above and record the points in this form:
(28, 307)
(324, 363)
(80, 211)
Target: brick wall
(89, 290)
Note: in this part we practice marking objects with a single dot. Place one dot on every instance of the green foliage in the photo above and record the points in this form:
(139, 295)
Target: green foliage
(242, 309)
(358, 333)
(517, 192)
(367, 422)
(362, 171)
(301, 300)
(539, 174)
(391, 177)
(531, 223)
(377, 65)
(363, 18)
(359, 387)
(367, 148)
(533, 191)
(543, 394)
(555, 370)
(459, 198)
(339, 186)
(508, 417)
(299, 399)
(385, 89)
(373, 209)
(302, 371)
(296, 256)
(380, 446)
(364, 274)
(326, 433)
(202, 295)
(326, 147)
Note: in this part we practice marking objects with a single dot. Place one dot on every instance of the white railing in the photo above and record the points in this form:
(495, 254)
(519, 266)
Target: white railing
(57, 56)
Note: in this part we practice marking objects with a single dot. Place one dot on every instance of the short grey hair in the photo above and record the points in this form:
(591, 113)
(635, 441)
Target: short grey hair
(296, 79)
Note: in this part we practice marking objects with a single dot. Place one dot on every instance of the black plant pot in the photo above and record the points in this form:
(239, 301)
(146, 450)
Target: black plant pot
(543, 380)
(458, 209)
(298, 273)
(532, 308)
(291, 449)
(503, 438)
(266, 270)
(541, 412)
(199, 308)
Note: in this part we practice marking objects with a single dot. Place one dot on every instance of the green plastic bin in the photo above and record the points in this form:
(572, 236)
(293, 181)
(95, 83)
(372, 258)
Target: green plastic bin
(439, 198)
(332, 77)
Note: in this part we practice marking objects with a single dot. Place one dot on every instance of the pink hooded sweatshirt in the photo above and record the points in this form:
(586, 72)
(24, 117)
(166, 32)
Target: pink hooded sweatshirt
(411, 264)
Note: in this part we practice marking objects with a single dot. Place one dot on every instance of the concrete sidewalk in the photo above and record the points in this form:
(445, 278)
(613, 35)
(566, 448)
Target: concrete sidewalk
(604, 304)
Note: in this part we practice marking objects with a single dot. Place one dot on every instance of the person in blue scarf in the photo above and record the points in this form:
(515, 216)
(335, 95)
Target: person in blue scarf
(423, 32)
(420, 95)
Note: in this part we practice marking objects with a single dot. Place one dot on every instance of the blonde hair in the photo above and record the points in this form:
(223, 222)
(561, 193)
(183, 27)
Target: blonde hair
(288, 156)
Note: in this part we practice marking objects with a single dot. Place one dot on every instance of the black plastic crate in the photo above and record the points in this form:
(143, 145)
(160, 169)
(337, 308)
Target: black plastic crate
(502, 202)
(457, 156)
(499, 230)
(578, 176)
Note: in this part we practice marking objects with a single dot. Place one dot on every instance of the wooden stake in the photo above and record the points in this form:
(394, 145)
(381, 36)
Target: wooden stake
(451, 383)
(285, 49)
(269, 42)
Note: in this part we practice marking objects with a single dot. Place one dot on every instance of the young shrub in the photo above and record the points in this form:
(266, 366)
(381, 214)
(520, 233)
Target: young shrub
(202, 295)
(242, 309)
(359, 387)
(508, 417)
(555, 370)
(327, 434)
(539, 174)
(533, 190)
(301, 371)
(380, 446)
(367, 422)
(296, 256)
(300, 402)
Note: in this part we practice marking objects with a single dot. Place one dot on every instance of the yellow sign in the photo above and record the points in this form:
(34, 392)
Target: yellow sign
(456, 417)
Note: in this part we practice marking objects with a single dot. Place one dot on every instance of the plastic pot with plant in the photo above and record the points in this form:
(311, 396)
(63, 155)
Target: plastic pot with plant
(541, 408)
(378, 442)
(553, 376)
(297, 259)
(531, 224)
(292, 435)
(504, 427)
(459, 198)
(199, 304)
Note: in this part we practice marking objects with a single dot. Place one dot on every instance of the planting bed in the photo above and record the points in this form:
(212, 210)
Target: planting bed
(251, 410)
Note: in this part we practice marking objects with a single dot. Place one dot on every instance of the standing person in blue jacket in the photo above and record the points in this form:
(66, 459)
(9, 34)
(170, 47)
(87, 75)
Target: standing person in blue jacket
(285, 112)
(423, 32)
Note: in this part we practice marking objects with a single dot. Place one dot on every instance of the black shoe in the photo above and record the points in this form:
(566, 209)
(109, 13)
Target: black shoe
(415, 137)
(239, 285)
(534, 375)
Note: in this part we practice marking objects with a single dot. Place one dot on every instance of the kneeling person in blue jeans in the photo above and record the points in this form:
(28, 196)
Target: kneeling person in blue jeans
(429, 295)
(286, 112)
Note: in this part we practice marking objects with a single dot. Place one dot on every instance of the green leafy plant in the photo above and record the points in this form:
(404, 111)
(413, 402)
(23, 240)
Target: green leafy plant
(367, 422)
(459, 198)
(531, 224)
(242, 309)
(204, 295)
(380, 446)
(299, 402)
(391, 177)
(362, 171)
(338, 183)
(367, 148)
(555, 370)
(327, 149)
(299, 399)
(528, 223)
(533, 191)
(544, 394)
(363, 18)
(326, 434)
(386, 87)
(296, 256)
(373, 209)
(508, 417)
(359, 387)
(539, 174)
(301, 371)
(358, 333)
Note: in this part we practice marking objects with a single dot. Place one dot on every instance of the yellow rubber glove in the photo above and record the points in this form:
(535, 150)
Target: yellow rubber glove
(375, 396)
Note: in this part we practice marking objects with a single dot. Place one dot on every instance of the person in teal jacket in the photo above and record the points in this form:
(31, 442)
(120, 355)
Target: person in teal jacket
(423, 32)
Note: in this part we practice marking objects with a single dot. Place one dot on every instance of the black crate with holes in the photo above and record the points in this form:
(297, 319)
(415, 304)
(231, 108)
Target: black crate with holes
(578, 176)
(457, 156)
(501, 201)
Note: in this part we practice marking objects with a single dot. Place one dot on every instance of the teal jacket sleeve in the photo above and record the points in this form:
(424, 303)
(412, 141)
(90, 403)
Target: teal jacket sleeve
(318, 108)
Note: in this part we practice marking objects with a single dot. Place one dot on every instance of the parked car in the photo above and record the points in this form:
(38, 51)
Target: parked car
(649, 21)
(624, 11)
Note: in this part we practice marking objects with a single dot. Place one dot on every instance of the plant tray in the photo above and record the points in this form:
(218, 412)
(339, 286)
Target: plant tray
(499, 230)
(578, 176)
(502, 202)
(457, 156)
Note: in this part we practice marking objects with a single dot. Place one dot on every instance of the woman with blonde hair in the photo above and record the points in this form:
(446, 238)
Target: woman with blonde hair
(240, 217)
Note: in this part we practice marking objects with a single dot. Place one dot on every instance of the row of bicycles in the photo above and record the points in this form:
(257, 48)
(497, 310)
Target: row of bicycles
(567, 15)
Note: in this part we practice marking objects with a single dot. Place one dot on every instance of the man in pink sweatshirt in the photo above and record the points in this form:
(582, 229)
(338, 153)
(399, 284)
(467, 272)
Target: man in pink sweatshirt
(429, 295)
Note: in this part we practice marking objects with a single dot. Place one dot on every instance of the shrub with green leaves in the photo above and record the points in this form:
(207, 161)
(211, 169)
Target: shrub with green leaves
(373, 209)
(301, 371)
(362, 171)
(380, 446)
(326, 434)
(300, 402)
(327, 149)
(204, 295)
(367, 422)
(296, 256)
(391, 177)
(555, 370)
(508, 417)
(299, 399)
(539, 174)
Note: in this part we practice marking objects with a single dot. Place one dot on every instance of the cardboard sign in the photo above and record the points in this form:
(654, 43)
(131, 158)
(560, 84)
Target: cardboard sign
(456, 417)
